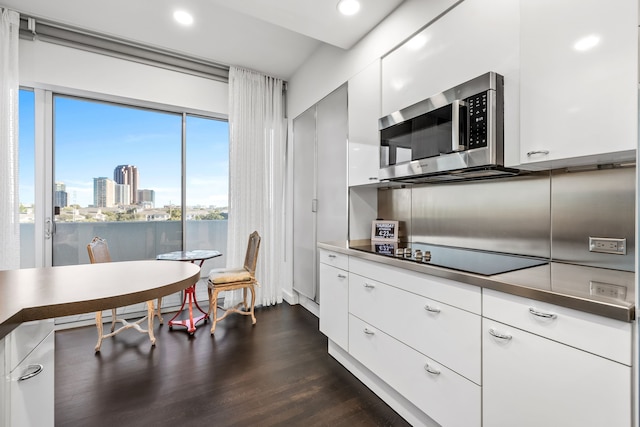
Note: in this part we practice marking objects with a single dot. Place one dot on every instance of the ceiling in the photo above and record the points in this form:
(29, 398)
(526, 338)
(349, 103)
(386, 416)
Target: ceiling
(271, 36)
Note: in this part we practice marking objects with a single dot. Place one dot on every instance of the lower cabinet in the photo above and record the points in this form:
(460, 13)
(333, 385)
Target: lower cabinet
(28, 388)
(446, 397)
(466, 356)
(533, 381)
(545, 365)
(334, 304)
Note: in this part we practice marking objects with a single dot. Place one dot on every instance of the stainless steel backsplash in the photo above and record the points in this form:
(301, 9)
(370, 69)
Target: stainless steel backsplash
(547, 214)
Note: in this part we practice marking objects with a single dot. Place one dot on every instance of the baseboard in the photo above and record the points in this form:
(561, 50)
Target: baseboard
(310, 305)
(290, 297)
(395, 400)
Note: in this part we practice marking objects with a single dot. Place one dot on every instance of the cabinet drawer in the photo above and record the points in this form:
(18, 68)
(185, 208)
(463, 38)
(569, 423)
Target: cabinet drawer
(335, 259)
(461, 295)
(596, 334)
(25, 338)
(444, 333)
(443, 395)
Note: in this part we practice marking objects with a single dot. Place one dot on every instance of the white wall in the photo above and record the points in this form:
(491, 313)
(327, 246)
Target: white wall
(329, 67)
(72, 71)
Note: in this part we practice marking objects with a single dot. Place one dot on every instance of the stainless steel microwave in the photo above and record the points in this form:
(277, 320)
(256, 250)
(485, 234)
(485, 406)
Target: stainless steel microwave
(456, 134)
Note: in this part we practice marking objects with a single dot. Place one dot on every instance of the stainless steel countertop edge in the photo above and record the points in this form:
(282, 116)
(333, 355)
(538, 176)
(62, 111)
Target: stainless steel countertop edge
(619, 311)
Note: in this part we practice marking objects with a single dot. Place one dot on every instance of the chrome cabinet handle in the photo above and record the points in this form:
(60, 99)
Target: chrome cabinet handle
(531, 153)
(331, 256)
(541, 314)
(432, 309)
(368, 331)
(369, 286)
(499, 335)
(373, 178)
(31, 371)
(341, 276)
(431, 370)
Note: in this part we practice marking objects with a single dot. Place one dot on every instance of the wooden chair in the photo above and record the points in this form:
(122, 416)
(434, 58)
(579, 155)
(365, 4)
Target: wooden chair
(228, 279)
(99, 252)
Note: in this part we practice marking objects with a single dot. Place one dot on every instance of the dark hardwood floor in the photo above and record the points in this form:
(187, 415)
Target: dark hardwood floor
(275, 373)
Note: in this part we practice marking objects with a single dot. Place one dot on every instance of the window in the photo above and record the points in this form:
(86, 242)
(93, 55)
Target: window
(26, 178)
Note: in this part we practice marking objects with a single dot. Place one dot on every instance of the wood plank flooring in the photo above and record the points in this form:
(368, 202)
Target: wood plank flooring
(276, 373)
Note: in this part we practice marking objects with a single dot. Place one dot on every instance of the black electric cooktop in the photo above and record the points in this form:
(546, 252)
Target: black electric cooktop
(468, 260)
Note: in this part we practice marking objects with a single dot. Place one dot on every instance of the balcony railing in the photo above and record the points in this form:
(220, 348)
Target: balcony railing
(128, 241)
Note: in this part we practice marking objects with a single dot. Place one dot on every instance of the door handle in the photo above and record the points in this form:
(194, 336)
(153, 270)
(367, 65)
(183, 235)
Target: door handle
(455, 125)
(48, 228)
(314, 205)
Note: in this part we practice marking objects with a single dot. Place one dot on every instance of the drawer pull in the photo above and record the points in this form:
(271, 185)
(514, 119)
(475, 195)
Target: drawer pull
(341, 276)
(499, 335)
(368, 331)
(541, 314)
(431, 370)
(432, 309)
(369, 286)
(331, 256)
(31, 371)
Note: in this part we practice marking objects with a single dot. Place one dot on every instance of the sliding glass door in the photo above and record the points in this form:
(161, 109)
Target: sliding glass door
(147, 180)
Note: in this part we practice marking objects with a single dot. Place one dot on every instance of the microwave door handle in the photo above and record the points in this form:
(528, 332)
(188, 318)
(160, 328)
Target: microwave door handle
(455, 125)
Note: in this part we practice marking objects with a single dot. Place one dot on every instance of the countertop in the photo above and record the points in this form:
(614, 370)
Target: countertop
(43, 293)
(566, 285)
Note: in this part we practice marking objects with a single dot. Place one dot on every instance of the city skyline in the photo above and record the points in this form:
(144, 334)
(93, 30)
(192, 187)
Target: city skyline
(91, 138)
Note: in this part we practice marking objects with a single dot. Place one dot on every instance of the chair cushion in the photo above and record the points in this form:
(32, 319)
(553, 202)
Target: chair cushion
(223, 275)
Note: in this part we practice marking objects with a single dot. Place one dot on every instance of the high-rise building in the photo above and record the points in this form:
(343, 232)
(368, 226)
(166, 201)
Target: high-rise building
(147, 198)
(128, 174)
(123, 194)
(60, 195)
(103, 192)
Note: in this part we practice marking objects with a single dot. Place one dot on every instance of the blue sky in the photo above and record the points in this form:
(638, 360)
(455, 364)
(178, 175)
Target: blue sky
(92, 138)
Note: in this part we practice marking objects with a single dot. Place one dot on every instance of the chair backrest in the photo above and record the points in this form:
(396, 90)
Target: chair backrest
(98, 250)
(251, 258)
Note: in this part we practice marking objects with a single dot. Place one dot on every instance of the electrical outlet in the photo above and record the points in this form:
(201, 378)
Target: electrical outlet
(608, 245)
(608, 290)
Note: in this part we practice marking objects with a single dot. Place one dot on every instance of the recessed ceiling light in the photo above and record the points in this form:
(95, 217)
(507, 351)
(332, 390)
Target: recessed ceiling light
(586, 43)
(348, 7)
(183, 17)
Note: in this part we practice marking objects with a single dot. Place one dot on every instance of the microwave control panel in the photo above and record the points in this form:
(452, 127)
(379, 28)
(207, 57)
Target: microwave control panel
(477, 105)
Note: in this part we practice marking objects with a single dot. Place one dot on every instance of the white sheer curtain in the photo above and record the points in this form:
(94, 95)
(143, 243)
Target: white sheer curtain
(9, 89)
(257, 143)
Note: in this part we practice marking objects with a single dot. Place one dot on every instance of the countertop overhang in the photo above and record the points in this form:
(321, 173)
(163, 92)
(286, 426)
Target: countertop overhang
(562, 284)
(43, 293)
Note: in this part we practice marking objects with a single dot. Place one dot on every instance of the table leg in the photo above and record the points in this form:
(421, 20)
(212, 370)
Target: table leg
(190, 323)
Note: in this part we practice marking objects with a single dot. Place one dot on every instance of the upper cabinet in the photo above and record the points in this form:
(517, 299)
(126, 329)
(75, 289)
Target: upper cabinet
(578, 82)
(364, 112)
(474, 37)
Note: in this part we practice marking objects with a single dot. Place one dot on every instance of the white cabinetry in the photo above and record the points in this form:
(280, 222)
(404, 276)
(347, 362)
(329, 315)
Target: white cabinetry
(364, 112)
(474, 37)
(29, 377)
(579, 71)
(334, 306)
(536, 370)
(442, 394)
(409, 330)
